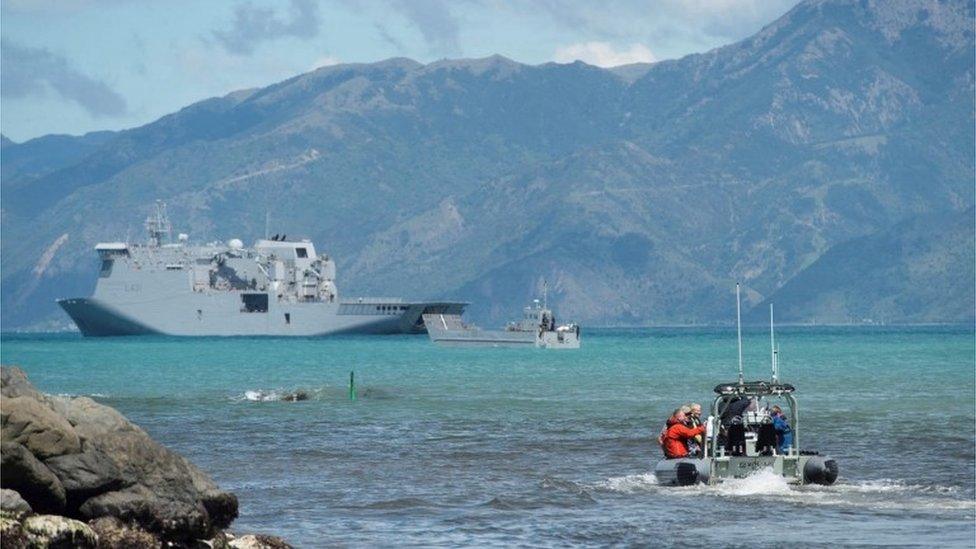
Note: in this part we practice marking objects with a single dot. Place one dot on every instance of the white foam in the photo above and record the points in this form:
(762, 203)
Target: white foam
(762, 482)
(885, 485)
(629, 484)
(261, 396)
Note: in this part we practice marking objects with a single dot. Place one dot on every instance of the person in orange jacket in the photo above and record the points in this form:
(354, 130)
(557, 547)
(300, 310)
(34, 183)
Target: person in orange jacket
(676, 438)
(669, 422)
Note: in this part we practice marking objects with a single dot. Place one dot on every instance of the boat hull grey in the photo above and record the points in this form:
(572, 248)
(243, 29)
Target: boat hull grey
(96, 318)
(795, 469)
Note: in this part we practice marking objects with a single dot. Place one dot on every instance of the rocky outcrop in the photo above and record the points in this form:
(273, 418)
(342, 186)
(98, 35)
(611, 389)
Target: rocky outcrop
(12, 504)
(25, 474)
(258, 541)
(32, 422)
(85, 461)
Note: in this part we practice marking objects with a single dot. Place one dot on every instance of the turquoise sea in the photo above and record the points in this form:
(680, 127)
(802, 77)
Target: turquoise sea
(500, 447)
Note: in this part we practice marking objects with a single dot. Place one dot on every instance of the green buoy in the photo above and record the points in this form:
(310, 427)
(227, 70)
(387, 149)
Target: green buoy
(352, 385)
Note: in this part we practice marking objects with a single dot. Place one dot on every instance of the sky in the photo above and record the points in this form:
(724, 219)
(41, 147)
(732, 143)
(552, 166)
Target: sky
(75, 66)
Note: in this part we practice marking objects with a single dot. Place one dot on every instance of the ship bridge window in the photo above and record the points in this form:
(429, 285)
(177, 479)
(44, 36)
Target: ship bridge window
(254, 303)
(301, 252)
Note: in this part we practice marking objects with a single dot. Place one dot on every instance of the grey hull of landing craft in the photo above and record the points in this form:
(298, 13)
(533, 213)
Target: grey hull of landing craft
(537, 328)
(277, 287)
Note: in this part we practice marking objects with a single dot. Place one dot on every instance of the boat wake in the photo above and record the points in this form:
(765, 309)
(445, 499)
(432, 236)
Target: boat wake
(761, 483)
(884, 494)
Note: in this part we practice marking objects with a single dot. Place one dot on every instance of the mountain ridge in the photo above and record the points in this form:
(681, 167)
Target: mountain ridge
(643, 200)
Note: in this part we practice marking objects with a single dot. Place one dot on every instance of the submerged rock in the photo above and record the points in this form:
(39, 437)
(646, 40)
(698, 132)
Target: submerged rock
(295, 396)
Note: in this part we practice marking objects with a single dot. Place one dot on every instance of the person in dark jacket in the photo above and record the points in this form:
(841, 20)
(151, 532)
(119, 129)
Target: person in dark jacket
(736, 408)
(784, 433)
(694, 420)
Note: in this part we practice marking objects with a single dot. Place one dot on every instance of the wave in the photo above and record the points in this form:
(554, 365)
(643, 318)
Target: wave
(552, 492)
(399, 503)
(89, 395)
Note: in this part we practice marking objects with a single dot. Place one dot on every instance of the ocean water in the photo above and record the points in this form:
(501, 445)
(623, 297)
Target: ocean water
(501, 447)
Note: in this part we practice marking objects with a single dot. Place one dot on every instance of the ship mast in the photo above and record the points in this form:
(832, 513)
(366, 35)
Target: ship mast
(157, 225)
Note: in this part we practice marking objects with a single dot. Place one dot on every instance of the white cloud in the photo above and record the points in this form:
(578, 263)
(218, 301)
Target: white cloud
(602, 54)
(326, 61)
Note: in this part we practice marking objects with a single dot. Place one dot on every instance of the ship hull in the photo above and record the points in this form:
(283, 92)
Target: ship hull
(201, 315)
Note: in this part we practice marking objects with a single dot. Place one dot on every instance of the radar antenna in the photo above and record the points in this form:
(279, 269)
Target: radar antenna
(157, 225)
(738, 323)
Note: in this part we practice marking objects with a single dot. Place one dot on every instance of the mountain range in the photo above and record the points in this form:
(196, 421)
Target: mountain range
(826, 163)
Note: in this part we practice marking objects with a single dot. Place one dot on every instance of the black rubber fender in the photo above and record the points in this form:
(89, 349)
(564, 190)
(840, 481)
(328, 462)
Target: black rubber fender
(820, 470)
(686, 474)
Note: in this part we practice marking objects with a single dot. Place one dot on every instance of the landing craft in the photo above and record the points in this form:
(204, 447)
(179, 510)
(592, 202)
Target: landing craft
(740, 438)
(537, 328)
(278, 287)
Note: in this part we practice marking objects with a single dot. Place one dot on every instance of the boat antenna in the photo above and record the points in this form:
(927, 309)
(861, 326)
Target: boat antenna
(772, 345)
(267, 219)
(738, 323)
(545, 294)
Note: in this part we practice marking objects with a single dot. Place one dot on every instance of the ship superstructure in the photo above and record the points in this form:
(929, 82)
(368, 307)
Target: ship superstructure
(277, 287)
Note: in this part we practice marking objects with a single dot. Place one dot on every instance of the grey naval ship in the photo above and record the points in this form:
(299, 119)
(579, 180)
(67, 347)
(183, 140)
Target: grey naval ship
(278, 287)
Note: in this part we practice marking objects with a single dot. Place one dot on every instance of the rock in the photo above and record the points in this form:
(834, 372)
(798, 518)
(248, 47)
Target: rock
(221, 507)
(12, 504)
(296, 396)
(114, 534)
(31, 479)
(159, 490)
(12, 534)
(85, 475)
(98, 464)
(259, 541)
(173, 519)
(54, 531)
(13, 383)
(90, 418)
(31, 422)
